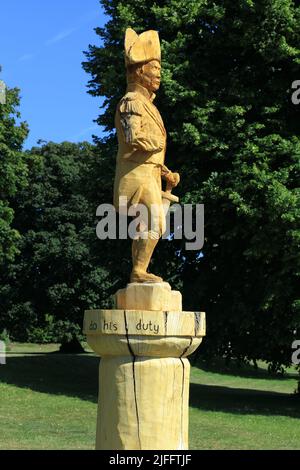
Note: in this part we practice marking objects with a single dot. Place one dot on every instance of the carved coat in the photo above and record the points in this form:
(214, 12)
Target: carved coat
(142, 147)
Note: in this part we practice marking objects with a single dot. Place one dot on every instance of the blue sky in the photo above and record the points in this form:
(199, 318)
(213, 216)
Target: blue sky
(41, 50)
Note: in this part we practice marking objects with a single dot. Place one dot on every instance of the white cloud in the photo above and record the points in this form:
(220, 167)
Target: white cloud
(60, 36)
(25, 57)
(83, 132)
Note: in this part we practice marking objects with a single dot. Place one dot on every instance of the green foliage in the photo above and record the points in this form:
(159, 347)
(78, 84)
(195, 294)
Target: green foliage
(233, 134)
(51, 330)
(13, 170)
(45, 333)
(55, 331)
(61, 269)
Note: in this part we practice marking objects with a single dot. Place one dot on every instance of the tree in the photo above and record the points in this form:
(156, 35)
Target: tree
(234, 137)
(13, 170)
(61, 269)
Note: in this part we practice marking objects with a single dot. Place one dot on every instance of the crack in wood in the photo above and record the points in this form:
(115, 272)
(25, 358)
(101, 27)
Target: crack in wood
(182, 388)
(197, 316)
(133, 376)
(187, 348)
(166, 322)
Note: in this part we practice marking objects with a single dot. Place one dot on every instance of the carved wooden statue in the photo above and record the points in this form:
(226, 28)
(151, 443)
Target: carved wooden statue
(142, 147)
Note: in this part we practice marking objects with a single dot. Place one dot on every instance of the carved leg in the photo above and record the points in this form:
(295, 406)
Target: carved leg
(142, 250)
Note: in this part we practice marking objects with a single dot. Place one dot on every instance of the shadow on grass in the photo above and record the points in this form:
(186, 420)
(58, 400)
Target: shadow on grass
(77, 376)
(219, 366)
(243, 401)
(58, 374)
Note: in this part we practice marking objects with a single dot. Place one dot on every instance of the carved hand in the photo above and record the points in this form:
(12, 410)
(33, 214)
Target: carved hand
(172, 179)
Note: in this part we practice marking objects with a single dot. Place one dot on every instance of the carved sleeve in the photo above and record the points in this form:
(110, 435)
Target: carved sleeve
(135, 132)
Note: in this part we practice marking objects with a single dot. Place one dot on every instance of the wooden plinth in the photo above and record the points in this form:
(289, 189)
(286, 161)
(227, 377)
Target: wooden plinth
(144, 373)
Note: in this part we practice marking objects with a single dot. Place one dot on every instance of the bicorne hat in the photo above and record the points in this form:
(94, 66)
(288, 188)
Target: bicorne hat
(141, 47)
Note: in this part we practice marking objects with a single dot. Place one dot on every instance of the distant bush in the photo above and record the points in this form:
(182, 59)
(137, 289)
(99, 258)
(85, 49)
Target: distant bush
(55, 331)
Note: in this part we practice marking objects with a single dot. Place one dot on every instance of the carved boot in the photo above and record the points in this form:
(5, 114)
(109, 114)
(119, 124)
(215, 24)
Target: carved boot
(142, 250)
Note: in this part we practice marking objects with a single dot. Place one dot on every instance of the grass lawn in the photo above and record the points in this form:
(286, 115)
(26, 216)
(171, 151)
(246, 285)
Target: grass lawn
(49, 401)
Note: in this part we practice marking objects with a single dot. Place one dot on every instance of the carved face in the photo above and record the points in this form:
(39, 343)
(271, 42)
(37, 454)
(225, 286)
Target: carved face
(150, 75)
